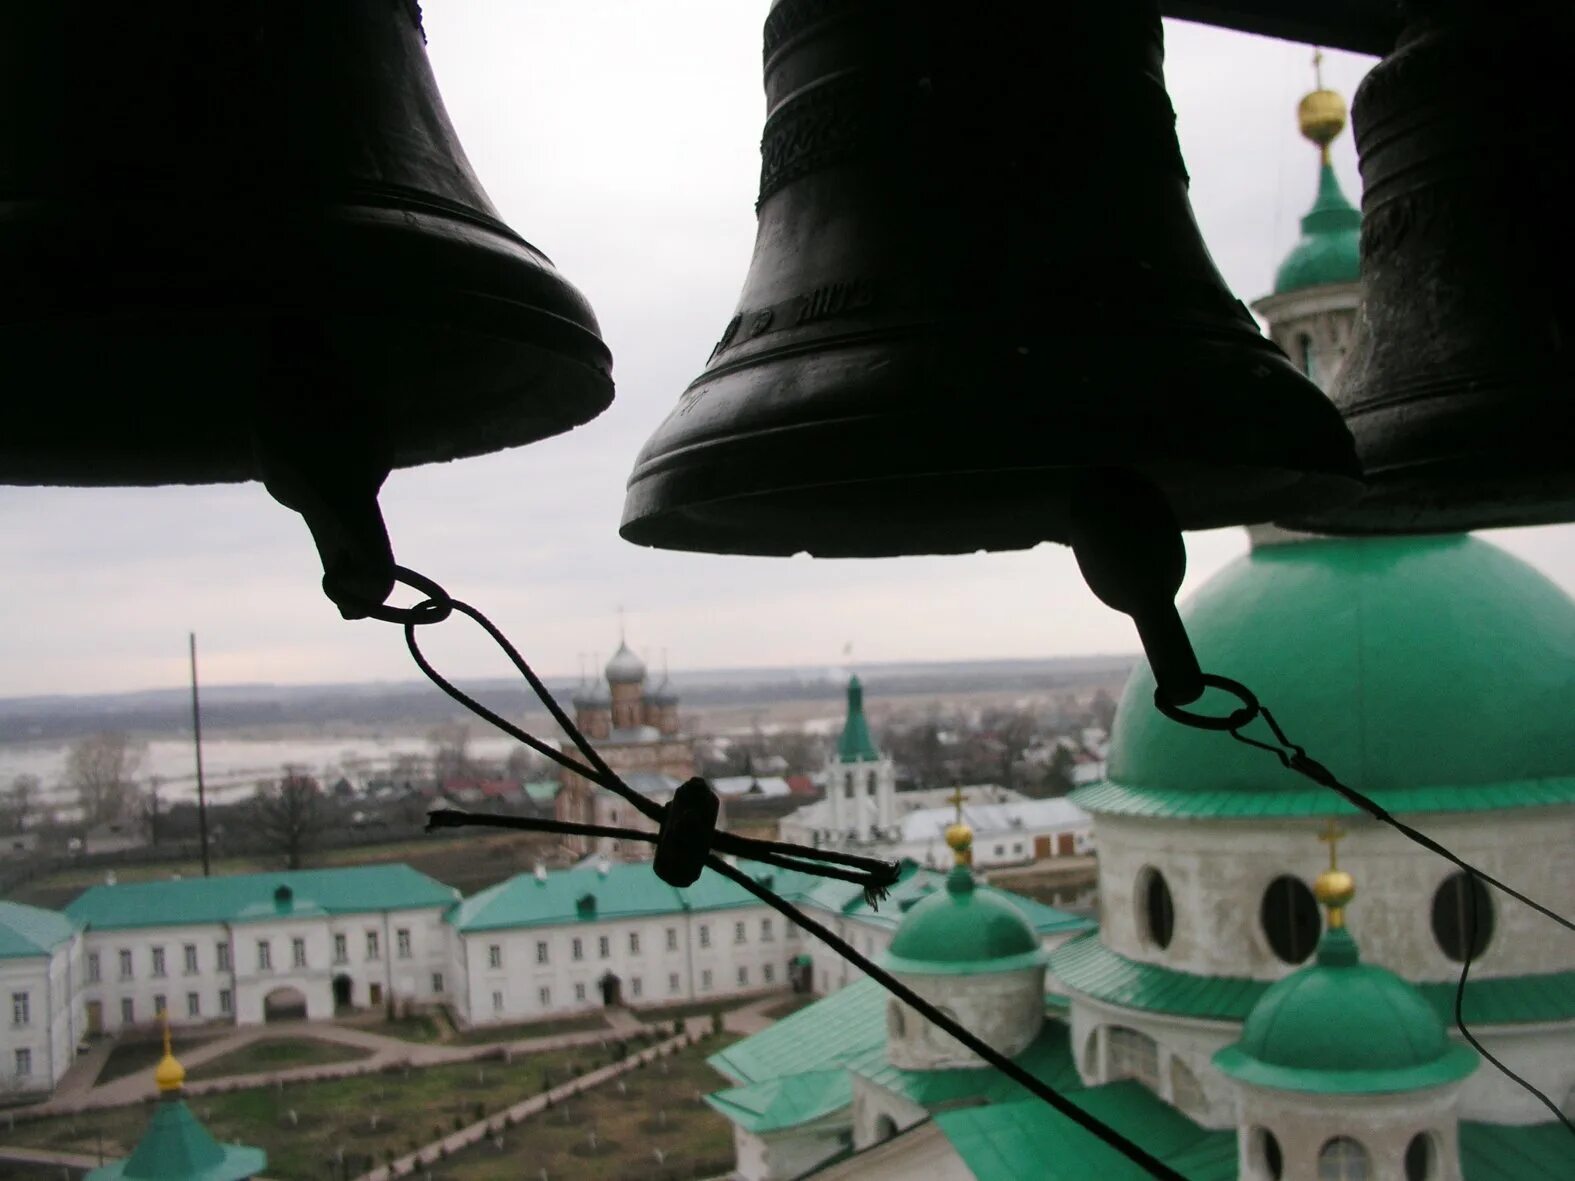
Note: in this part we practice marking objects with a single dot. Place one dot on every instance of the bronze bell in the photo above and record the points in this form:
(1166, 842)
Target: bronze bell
(976, 276)
(241, 240)
(1460, 384)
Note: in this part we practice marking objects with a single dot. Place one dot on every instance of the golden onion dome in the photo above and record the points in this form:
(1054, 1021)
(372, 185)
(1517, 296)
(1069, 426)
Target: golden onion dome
(1321, 116)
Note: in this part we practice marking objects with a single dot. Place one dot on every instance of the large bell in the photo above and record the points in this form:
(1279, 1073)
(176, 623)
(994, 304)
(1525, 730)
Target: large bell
(230, 228)
(1460, 385)
(976, 276)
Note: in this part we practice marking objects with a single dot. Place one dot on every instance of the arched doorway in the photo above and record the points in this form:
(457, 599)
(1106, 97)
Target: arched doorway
(284, 1004)
(612, 990)
(344, 991)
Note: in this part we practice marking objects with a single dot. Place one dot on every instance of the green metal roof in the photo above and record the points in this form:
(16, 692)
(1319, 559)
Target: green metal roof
(856, 745)
(1330, 247)
(1340, 1026)
(542, 793)
(1439, 665)
(1088, 967)
(963, 930)
(1501, 1152)
(176, 1147)
(626, 890)
(779, 1103)
(1010, 1141)
(30, 931)
(818, 1037)
(1048, 1058)
(247, 897)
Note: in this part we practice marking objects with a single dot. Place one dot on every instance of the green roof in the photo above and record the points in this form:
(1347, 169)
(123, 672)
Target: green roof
(1502, 1152)
(626, 890)
(856, 745)
(1330, 247)
(176, 1147)
(30, 931)
(963, 930)
(247, 897)
(1340, 1026)
(1433, 673)
(1009, 1141)
(1088, 967)
(779, 1103)
(817, 1037)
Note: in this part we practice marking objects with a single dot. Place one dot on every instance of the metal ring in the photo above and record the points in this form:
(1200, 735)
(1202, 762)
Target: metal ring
(437, 606)
(1235, 720)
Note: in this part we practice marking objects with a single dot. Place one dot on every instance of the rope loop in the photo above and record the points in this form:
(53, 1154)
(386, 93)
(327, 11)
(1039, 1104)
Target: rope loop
(1232, 721)
(435, 608)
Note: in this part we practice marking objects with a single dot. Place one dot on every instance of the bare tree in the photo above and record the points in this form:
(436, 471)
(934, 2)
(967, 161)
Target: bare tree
(18, 803)
(288, 815)
(450, 744)
(101, 769)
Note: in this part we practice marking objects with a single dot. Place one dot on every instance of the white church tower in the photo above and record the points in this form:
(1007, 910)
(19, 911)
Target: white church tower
(861, 783)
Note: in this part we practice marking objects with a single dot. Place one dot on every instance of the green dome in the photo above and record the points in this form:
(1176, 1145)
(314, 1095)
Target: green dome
(1432, 672)
(962, 930)
(1330, 246)
(1344, 1027)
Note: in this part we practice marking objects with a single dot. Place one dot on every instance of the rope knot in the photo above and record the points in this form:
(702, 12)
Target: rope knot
(685, 838)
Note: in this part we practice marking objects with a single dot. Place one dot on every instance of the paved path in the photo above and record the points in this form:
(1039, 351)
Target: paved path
(751, 1018)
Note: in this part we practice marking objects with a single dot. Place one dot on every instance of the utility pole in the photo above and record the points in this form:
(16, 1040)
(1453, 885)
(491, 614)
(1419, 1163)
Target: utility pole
(196, 734)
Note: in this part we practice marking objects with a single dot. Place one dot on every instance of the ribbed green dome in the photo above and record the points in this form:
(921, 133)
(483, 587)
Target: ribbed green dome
(1344, 1027)
(1438, 671)
(1330, 247)
(962, 930)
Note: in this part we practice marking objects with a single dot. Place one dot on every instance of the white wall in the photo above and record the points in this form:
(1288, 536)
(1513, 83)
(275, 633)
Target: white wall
(54, 1017)
(1218, 870)
(142, 988)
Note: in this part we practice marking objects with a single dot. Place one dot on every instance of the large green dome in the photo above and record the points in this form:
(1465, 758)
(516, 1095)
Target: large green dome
(963, 930)
(1330, 247)
(1344, 1027)
(1435, 673)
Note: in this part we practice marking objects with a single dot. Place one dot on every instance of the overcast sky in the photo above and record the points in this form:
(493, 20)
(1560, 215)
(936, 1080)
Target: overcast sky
(621, 137)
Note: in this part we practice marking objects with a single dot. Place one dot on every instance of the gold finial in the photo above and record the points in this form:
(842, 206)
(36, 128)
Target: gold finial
(170, 1075)
(1321, 114)
(958, 835)
(1334, 887)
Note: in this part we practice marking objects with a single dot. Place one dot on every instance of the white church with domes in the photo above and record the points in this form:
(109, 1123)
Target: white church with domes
(1270, 992)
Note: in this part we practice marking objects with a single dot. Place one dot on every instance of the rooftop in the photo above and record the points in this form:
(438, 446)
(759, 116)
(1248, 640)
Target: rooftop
(30, 931)
(248, 897)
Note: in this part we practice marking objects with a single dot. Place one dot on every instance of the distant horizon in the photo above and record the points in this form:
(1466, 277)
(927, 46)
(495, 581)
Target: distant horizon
(849, 667)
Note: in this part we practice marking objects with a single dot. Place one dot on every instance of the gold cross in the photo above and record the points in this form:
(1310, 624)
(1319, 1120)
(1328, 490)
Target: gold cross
(1317, 64)
(164, 1016)
(1331, 836)
(956, 799)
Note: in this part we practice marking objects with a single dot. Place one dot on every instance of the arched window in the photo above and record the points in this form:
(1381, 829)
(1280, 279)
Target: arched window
(1130, 1053)
(847, 785)
(1462, 917)
(1307, 356)
(885, 1128)
(1419, 1156)
(1091, 1057)
(1186, 1093)
(1342, 1159)
(1266, 1154)
(1289, 915)
(895, 1022)
(1158, 913)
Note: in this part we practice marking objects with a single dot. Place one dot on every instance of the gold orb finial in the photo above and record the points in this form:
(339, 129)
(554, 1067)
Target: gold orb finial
(1321, 114)
(958, 835)
(170, 1074)
(1334, 887)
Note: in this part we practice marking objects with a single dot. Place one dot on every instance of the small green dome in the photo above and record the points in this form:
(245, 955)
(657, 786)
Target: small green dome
(1344, 1027)
(1330, 247)
(962, 930)
(1434, 672)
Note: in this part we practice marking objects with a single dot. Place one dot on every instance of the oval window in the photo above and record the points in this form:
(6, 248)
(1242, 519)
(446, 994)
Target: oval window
(1270, 1159)
(1462, 917)
(1419, 1158)
(1158, 910)
(1290, 919)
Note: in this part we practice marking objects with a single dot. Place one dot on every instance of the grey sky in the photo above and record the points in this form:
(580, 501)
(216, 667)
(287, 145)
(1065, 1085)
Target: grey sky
(621, 137)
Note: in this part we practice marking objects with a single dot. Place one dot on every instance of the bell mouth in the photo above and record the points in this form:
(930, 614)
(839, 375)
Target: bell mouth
(920, 445)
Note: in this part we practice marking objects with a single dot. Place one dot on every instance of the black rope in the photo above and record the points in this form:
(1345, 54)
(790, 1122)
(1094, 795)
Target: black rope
(876, 875)
(1295, 758)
